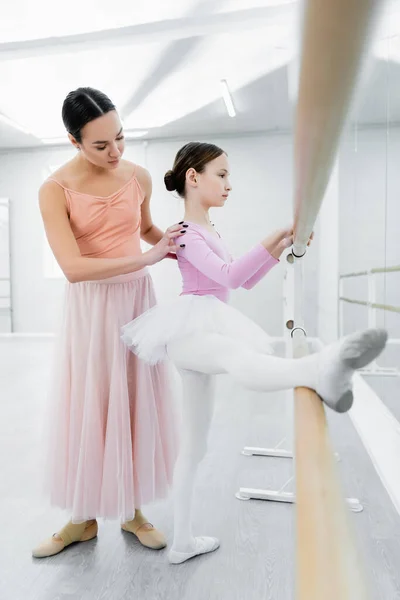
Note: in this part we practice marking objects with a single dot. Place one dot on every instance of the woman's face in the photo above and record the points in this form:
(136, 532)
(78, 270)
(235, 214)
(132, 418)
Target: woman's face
(103, 141)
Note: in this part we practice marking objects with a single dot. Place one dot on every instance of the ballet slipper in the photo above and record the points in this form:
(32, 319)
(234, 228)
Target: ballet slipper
(70, 534)
(338, 362)
(202, 545)
(147, 534)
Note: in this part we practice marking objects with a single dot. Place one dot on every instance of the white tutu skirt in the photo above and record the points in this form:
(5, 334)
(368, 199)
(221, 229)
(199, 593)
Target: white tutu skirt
(149, 335)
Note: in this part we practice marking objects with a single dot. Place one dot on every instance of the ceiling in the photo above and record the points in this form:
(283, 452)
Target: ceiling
(162, 64)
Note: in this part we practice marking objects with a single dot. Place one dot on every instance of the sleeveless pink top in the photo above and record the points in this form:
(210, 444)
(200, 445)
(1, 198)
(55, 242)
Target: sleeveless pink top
(106, 227)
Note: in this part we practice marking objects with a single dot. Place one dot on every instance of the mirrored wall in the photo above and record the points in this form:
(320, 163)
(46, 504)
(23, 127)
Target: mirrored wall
(369, 213)
(6, 321)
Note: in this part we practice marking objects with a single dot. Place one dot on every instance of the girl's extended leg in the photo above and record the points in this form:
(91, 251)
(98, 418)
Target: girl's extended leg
(200, 356)
(329, 372)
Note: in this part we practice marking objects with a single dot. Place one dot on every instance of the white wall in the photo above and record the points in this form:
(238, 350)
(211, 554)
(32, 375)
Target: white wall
(260, 202)
(34, 298)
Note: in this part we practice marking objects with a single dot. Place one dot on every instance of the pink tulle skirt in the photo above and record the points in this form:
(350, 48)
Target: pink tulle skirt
(113, 418)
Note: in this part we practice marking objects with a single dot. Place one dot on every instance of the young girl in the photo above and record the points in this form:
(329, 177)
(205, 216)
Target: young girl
(203, 336)
(113, 432)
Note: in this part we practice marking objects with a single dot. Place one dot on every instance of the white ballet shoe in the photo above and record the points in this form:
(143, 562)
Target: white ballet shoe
(202, 545)
(338, 362)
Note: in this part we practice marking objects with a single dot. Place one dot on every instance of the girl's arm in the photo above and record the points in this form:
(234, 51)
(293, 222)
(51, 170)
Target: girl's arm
(231, 275)
(260, 274)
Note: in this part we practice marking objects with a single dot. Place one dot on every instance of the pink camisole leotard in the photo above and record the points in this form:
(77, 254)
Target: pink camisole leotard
(207, 268)
(106, 227)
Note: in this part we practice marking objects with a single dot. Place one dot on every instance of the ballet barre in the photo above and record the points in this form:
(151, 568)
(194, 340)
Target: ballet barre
(394, 269)
(373, 307)
(277, 451)
(376, 305)
(336, 35)
(281, 495)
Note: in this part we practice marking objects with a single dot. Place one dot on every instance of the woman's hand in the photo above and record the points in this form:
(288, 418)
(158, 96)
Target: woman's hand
(167, 245)
(280, 240)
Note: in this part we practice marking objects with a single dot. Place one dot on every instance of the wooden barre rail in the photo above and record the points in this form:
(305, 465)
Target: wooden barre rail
(335, 36)
(327, 566)
(388, 307)
(394, 269)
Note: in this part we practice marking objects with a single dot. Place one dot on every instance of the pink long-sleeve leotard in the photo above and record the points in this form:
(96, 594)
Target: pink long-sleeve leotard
(207, 268)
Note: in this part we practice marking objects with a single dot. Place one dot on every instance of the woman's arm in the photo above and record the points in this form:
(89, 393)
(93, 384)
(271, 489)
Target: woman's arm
(66, 250)
(149, 233)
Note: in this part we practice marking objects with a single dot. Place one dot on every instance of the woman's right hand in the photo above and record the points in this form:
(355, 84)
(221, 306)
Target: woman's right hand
(166, 245)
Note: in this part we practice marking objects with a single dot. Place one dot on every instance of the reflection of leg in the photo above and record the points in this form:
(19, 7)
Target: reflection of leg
(197, 408)
(328, 372)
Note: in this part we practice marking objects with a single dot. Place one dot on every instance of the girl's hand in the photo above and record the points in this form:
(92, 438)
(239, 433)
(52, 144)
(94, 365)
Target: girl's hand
(280, 240)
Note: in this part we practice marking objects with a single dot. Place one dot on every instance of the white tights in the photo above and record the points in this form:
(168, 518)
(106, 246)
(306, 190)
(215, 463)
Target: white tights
(202, 355)
(213, 354)
(198, 358)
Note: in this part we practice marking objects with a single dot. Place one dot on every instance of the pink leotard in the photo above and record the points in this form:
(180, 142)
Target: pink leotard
(207, 268)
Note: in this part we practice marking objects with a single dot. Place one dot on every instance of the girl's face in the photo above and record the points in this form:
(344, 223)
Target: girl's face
(213, 186)
(102, 141)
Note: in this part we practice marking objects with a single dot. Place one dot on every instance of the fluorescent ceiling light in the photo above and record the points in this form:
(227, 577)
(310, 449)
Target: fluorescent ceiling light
(227, 98)
(14, 124)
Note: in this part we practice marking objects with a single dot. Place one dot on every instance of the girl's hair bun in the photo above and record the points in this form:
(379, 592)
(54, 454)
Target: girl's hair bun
(170, 181)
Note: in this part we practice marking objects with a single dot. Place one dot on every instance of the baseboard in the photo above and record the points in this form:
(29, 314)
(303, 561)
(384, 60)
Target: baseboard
(379, 431)
(29, 337)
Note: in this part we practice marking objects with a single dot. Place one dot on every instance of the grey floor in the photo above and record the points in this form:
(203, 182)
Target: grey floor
(256, 559)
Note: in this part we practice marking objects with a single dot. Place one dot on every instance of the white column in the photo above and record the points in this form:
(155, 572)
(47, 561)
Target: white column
(328, 291)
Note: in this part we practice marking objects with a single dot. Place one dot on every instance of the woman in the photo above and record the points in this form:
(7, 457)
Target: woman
(113, 428)
(203, 336)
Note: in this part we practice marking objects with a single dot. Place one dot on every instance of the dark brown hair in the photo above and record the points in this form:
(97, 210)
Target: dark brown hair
(194, 155)
(83, 106)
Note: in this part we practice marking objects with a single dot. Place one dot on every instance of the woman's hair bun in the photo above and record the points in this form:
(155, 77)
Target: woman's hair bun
(170, 181)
